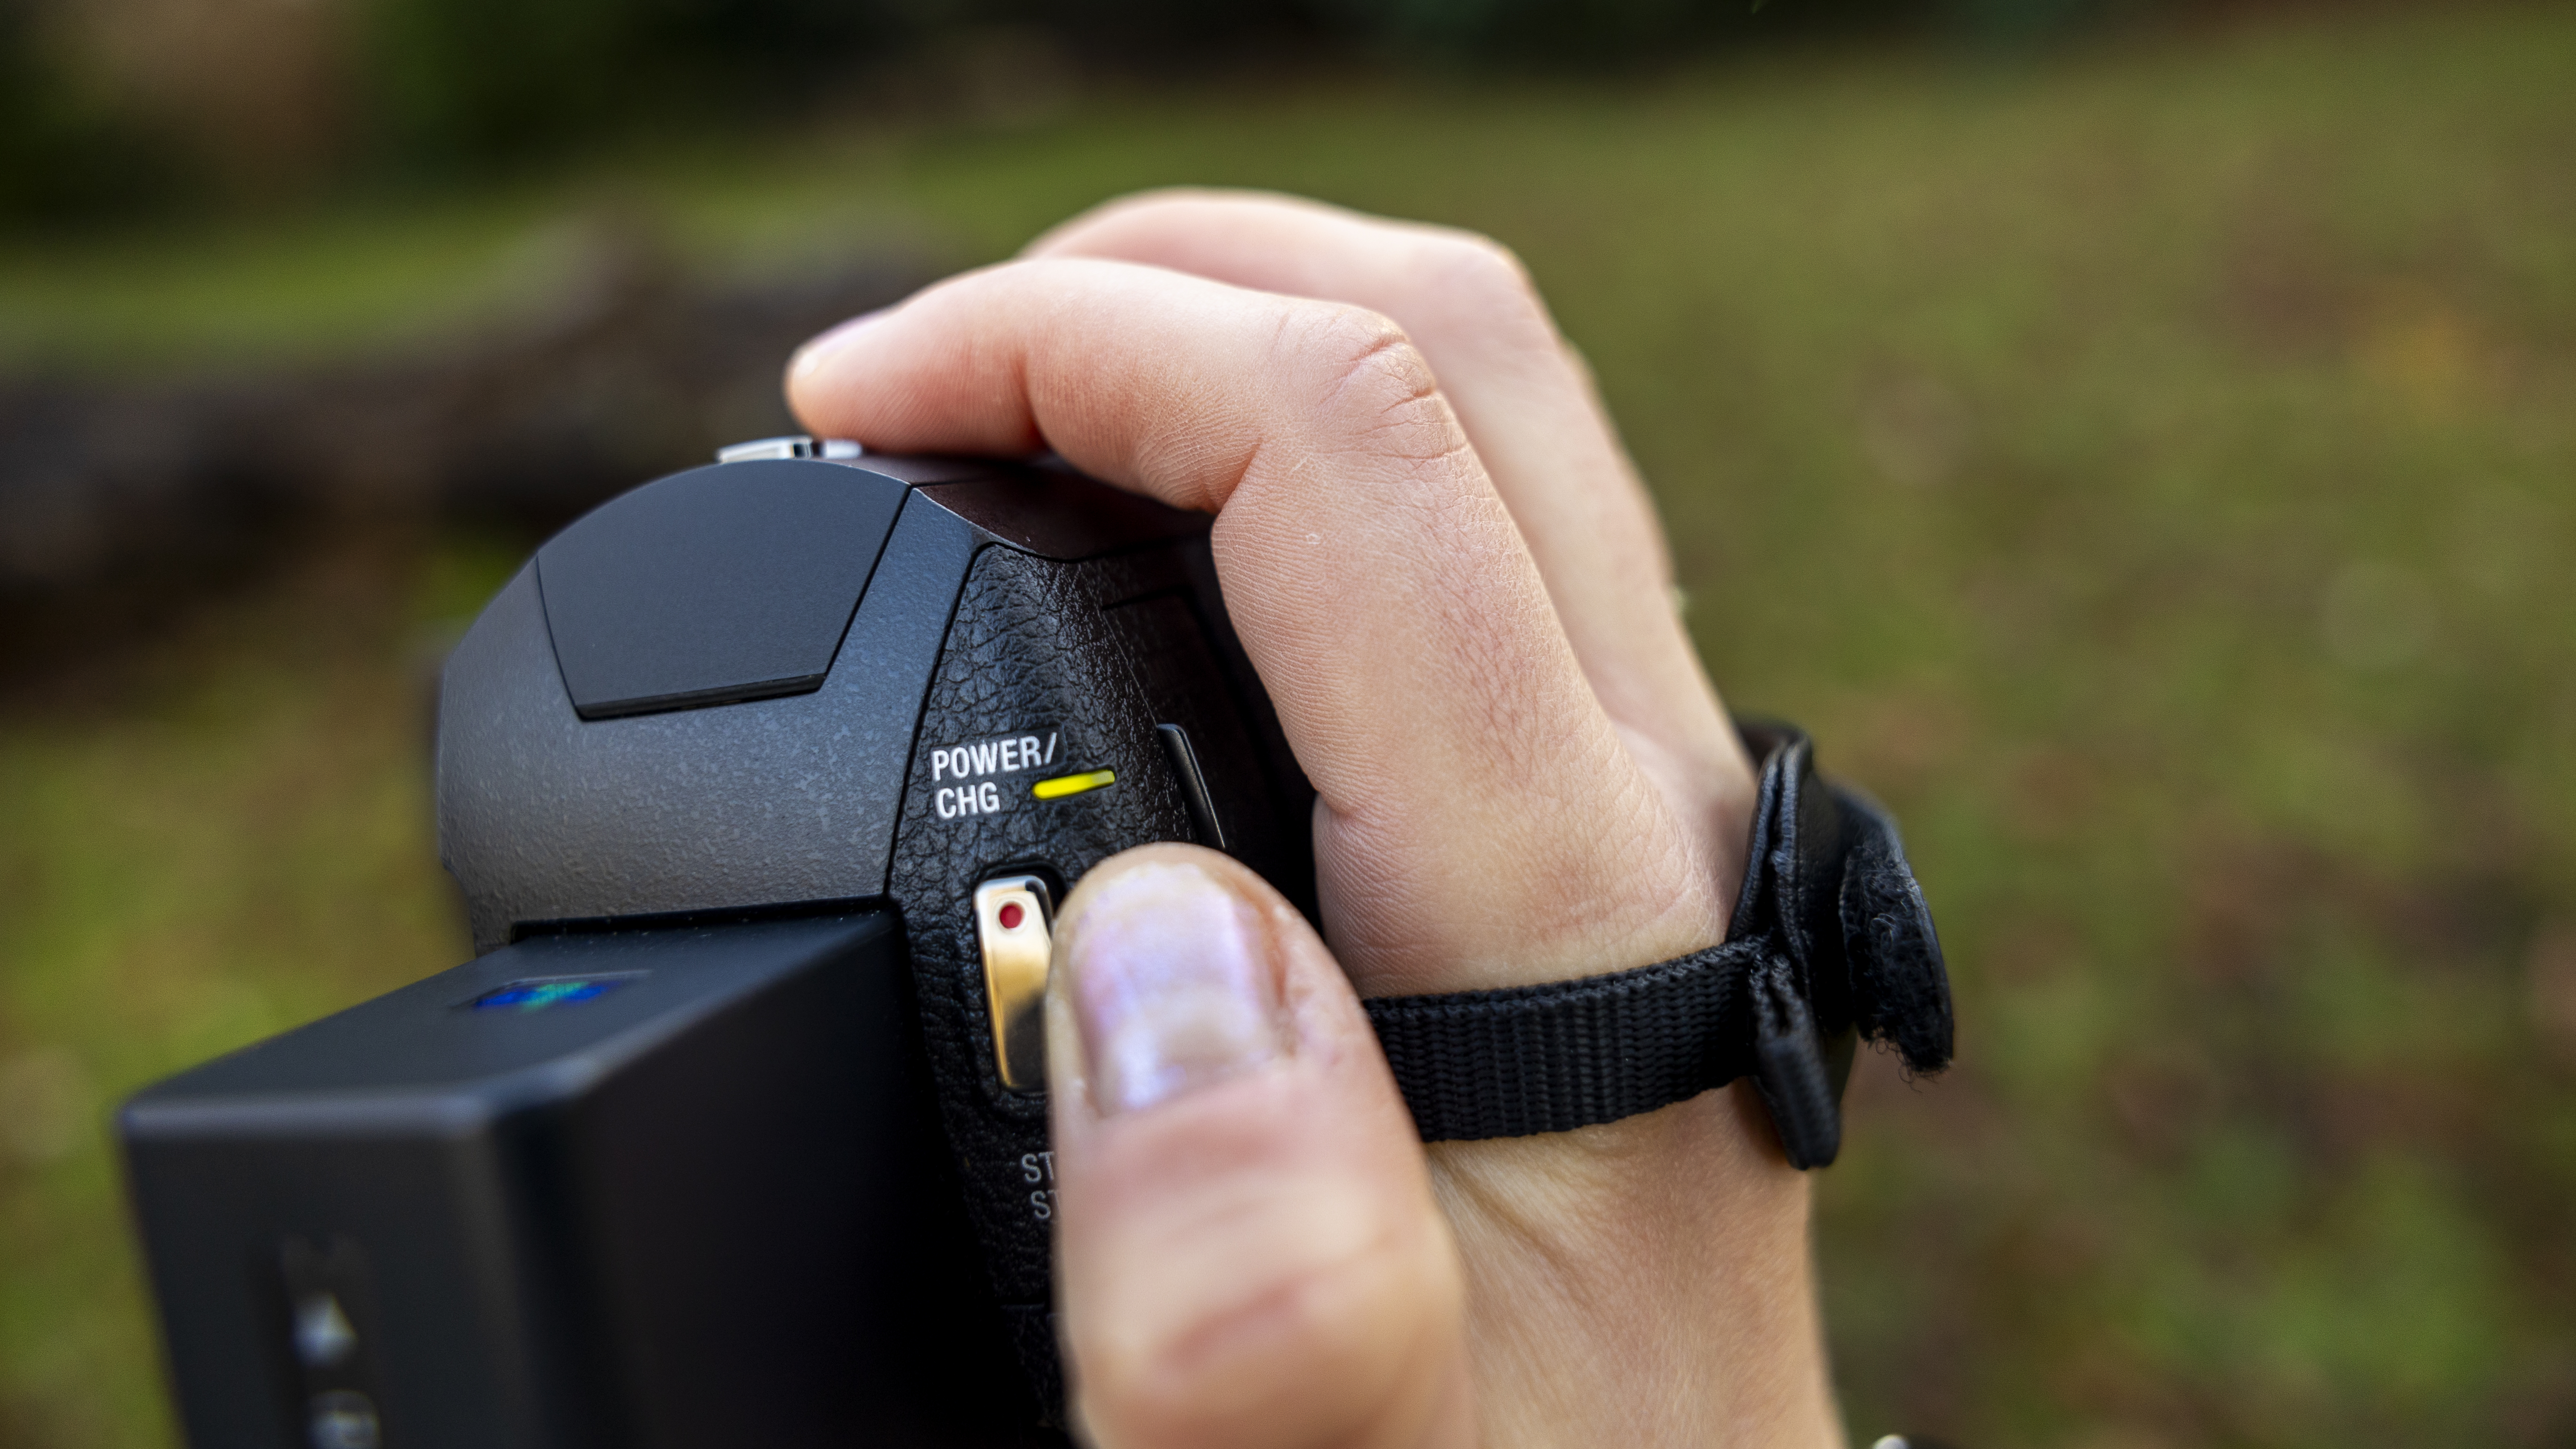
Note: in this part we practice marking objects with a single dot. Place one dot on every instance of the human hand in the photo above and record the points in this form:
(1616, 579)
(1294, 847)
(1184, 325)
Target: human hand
(1457, 595)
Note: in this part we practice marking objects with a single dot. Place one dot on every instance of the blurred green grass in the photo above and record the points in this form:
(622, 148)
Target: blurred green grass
(2153, 471)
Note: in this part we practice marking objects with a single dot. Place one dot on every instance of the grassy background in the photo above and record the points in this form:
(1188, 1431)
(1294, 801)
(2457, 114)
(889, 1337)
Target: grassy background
(2154, 472)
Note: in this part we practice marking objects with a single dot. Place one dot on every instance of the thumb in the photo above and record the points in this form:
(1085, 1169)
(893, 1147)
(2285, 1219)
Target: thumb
(1249, 1252)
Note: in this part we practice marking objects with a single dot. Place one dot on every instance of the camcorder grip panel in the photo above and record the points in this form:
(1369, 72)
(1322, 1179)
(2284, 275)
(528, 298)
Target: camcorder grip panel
(1075, 673)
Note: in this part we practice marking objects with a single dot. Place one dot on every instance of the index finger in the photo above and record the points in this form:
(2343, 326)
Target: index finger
(1465, 771)
(1527, 403)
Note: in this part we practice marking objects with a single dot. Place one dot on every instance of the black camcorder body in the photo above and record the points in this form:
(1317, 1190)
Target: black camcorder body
(761, 782)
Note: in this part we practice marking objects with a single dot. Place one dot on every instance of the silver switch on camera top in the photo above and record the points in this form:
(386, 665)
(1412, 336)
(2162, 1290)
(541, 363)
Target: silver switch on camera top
(794, 445)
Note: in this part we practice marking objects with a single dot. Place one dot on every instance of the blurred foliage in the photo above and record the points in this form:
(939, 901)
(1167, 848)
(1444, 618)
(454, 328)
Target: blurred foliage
(116, 102)
(2152, 472)
(65, 148)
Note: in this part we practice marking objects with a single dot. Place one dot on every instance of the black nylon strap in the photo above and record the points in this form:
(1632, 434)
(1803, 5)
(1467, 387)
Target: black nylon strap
(1568, 1054)
(1829, 936)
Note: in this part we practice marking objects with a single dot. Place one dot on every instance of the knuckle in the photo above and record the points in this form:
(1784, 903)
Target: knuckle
(1351, 343)
(1368, 374)
(1479, 264)
(1150, 205)
(1481, 274)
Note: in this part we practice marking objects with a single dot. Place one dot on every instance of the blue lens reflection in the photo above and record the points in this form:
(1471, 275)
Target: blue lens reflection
(538, 995)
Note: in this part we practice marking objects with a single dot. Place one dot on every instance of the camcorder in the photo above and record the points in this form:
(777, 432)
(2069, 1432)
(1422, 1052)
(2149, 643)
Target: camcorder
(761, 783)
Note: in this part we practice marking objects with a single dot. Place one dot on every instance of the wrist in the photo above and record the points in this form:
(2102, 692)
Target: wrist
(1660, 1265)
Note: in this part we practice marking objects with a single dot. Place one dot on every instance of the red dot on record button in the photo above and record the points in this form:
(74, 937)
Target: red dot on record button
(1011, 915)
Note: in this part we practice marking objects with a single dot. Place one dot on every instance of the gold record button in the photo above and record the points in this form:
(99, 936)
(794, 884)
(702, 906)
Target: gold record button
(1013, 927)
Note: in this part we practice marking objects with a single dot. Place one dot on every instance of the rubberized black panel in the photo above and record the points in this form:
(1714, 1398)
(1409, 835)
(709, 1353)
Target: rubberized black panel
(720, 584)
(543, 817)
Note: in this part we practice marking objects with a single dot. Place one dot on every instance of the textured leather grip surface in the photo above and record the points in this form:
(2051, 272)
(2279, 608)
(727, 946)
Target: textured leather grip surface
(1087, 660)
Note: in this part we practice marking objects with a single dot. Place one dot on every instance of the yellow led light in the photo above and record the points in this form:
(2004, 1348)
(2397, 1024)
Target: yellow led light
(1063, 785)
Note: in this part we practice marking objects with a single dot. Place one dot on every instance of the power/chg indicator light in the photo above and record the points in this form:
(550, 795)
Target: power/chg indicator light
(1063, 785)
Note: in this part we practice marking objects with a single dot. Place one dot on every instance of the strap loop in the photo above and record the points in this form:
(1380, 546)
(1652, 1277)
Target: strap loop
(1830, 938)
(1789, 1070)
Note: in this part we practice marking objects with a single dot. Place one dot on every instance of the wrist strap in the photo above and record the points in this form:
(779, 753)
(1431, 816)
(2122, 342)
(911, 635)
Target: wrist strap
(1568, 1054)
(1830, 942)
